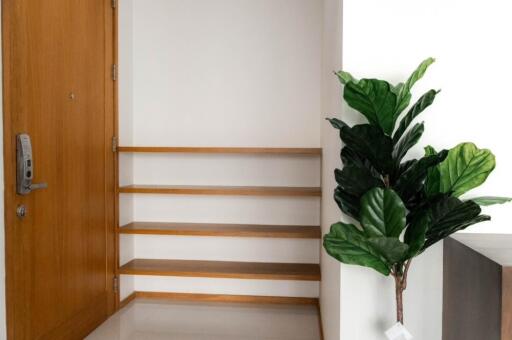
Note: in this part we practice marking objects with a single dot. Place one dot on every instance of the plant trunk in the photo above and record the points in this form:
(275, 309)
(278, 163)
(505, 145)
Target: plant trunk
(399, 285)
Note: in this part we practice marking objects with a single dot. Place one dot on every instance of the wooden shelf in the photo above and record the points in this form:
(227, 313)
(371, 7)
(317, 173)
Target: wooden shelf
(222, 298)
(222, 269)
(227, 230)
(221, 150)
(221, 190)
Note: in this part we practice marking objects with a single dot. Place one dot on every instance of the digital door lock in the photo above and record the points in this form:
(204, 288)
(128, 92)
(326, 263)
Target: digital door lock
(25, 166)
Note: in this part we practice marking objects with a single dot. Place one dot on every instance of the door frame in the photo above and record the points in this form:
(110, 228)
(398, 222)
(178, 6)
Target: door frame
(9, 154)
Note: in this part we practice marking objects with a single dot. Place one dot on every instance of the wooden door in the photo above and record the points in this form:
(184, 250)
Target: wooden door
(57, 59)
(506, 304)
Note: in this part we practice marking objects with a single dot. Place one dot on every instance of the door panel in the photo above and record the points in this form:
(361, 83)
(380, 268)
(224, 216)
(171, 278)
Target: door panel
(57, 88)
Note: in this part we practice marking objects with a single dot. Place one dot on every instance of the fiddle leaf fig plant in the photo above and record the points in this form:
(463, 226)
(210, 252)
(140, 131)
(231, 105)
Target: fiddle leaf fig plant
(400, 207)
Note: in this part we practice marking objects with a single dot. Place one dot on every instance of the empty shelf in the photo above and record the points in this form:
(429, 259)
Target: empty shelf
(223, 269)
(229, 230)
(221, 190)
(221, 150)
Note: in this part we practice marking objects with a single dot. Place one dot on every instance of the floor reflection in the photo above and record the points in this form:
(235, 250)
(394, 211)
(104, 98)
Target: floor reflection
(156, 320)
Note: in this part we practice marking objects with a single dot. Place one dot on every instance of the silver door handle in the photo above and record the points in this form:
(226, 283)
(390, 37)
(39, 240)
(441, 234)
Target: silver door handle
(37, 186)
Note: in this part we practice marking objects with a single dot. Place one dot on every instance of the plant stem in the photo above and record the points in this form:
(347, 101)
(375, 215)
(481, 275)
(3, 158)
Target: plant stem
(400, 274)
(386, 181)
(399, 300)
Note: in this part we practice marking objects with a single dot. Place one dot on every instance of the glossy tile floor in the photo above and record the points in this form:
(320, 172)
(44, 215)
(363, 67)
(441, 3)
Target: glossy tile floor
(159, 320)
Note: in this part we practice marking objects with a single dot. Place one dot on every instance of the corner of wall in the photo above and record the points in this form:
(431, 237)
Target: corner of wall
(331, 104)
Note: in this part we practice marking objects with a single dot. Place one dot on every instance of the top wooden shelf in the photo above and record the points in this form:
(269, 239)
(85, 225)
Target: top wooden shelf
(221, 150)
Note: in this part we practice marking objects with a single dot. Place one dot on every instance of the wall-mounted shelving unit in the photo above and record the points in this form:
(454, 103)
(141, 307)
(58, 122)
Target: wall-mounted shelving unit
(250, 270)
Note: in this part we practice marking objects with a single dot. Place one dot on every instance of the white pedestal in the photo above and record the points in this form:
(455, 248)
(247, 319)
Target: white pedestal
(398, 332)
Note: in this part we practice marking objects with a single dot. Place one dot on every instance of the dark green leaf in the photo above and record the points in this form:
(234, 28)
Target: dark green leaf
(347, 244)
(425, 101)
(350, 157)
(353, 183)
(461, 226)
(391, 248)
(356, 180)
(402, 168)
(490, 200)
(369, 142)
(421, 204)
(348, 203)
(375, 100)
(433, 180)
(345, 77)
(404, 96)
(465, 168)
(415, 234)
(336, 123)
(382, 213)
(412, 180)
(410, 139)
(451, 215)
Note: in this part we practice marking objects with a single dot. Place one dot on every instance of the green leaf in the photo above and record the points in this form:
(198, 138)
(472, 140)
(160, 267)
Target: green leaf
(391, 248)
(404, 96)
(413, 178)
(353, 183)
(382, 213)
(345, 77)
(347, 203)
(465, 168)
(425, 101)
(410, 139)
(375, 100)
(350, 157)
(490, 200)
(370, 143)
(336, 123)
(415, 235)
(347, 244)
(451, 215)
(397, 88)
(433, 180)
(356, 180)
(430, 151)
(402, 168)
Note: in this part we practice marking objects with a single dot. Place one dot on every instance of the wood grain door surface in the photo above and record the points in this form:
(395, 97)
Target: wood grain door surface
(57, 57)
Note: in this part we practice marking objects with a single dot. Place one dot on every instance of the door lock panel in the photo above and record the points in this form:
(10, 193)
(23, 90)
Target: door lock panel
(25, 166)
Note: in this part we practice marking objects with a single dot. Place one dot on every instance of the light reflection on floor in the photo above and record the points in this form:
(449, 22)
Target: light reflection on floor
(159, 320)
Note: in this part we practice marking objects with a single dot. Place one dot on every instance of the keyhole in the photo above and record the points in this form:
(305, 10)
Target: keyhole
(21, 211)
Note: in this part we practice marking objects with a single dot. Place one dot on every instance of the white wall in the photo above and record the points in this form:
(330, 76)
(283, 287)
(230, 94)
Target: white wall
(220, 73)
(387, 40)
(227, 72)
(473, 68)
(125, 38)
(331, 105)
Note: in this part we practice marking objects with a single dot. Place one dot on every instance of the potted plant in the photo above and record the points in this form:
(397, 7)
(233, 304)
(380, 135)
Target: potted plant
(402, 207)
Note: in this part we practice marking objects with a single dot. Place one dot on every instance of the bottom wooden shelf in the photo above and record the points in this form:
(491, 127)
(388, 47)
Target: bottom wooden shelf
(274, 300)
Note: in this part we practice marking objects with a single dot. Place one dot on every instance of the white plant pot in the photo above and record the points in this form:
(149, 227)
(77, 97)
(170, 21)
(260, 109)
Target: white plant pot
(398, 332)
